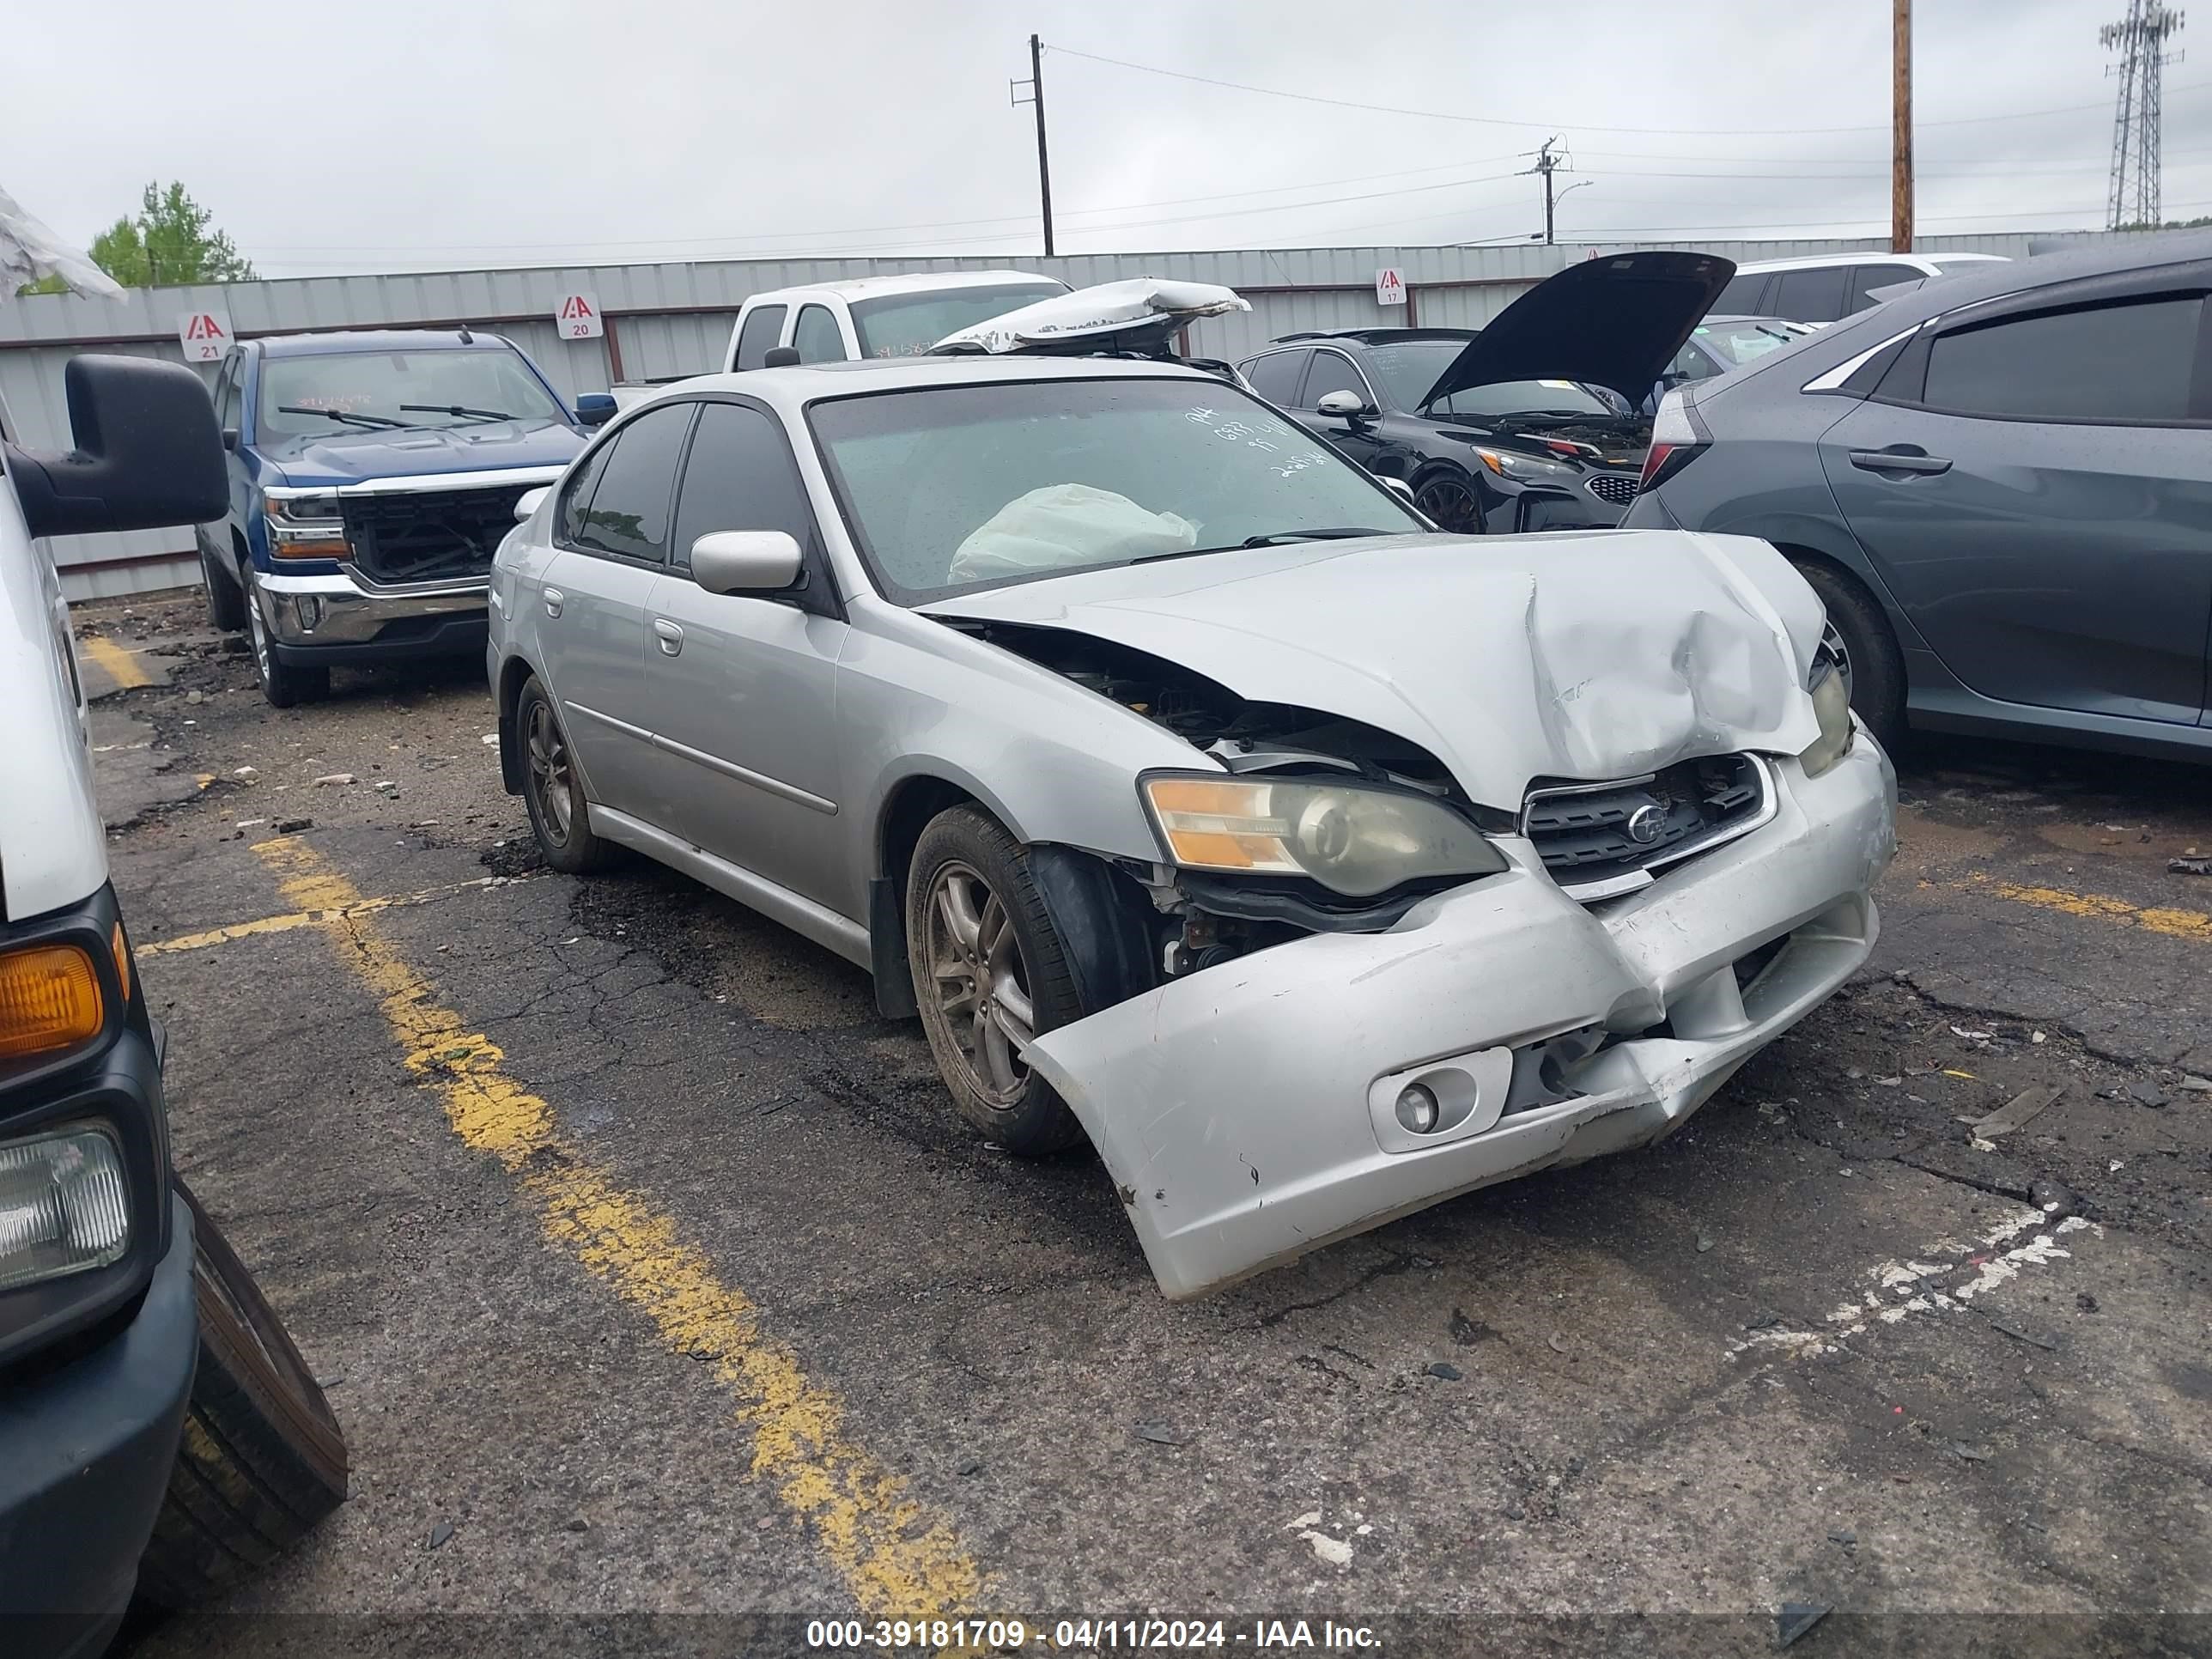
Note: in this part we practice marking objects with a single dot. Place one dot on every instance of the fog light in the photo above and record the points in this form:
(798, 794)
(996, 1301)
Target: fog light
(64, 1207)
(1417, 1108)
(309, 609)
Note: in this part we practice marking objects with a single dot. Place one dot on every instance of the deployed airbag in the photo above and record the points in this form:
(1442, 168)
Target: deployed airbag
(1065, 526)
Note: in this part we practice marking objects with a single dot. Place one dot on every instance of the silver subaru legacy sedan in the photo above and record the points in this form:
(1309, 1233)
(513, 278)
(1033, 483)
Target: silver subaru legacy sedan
(1199, 797)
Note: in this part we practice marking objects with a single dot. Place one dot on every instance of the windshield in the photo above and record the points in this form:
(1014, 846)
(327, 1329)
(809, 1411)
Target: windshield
(1407, 368)
(952, 489)
(313, 396)
(1739, 343)
(907, 325)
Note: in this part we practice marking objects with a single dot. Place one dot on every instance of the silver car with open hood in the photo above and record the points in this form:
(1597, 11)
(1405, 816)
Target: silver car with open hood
(1201, 798)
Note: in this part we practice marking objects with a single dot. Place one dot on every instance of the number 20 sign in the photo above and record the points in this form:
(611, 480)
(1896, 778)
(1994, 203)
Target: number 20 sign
(578, 317)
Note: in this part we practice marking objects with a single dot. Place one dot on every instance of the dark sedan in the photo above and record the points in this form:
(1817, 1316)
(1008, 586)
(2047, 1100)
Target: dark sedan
(1998, 483)
(1508, 428)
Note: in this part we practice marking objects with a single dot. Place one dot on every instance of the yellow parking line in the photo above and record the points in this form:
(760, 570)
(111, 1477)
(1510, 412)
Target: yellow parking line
(286, 923)
(120, 665)
(2176, 924)
(899, 1558)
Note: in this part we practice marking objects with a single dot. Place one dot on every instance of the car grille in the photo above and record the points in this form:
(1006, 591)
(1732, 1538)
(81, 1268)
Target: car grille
(1599, 839)
(434, 536)
(1614, 488)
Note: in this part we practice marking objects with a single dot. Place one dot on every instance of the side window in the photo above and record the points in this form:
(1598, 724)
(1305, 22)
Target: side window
(740, 476)
(817, 339)
(1740, 297)
(1869, 277)
(1690, 364)
(629, 510)
(1275, 376)
(1811, 296)
(1332, 371)
(762, 325)
(2126, 362)
(576, 495)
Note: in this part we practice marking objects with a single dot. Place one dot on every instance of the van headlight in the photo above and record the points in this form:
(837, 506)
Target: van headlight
(1832, 703)
(1355, 841)
(64, 1205)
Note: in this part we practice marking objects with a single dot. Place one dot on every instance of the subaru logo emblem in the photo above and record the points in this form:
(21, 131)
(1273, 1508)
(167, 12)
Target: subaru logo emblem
(1645, 823)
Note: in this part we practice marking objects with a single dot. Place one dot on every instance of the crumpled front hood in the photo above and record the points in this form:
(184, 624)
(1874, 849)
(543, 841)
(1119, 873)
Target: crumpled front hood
(347, 458)
(1584, 655)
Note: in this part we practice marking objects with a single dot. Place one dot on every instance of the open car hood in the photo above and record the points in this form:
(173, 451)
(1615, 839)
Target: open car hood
(1597, 655)
(1614, 321)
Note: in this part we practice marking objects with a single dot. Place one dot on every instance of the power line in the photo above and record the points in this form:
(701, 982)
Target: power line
(1500, 121)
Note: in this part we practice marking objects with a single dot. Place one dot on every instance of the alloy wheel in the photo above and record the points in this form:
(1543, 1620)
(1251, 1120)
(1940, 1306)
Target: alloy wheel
(258, 632)
(980, 983)
(549, 771)
(1450, 505)
(1833, 643)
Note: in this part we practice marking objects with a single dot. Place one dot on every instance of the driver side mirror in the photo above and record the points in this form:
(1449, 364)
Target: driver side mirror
(1345, 405)
(745, 561)
(526, 504)
(594, 408)
(148, 453)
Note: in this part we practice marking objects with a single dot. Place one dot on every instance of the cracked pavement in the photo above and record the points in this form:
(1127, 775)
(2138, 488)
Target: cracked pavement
(1664, 1384)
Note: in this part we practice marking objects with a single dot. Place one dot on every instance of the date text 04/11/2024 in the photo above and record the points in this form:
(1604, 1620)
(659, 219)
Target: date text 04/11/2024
(1086, 1635)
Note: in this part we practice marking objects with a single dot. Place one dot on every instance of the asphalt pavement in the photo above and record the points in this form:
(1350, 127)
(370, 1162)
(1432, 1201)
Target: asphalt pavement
(657, 1286)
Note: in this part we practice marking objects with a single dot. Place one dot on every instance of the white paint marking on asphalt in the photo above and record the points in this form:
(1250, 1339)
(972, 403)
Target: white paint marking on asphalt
(1901, 1289)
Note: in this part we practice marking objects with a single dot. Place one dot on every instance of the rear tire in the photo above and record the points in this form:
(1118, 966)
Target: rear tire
(1874, 667)
(262, 1459)
(553, 789)
(226, 605)
(281, 683)
(987, 962)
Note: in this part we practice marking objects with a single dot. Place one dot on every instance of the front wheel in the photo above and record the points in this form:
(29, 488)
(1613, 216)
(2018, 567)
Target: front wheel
(1451, 501)
(990, 974)
(282, 684)
(1858, 637)
(261, 1460)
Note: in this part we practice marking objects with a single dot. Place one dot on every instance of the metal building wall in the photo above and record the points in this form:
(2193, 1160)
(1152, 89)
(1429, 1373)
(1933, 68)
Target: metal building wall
(666, 320)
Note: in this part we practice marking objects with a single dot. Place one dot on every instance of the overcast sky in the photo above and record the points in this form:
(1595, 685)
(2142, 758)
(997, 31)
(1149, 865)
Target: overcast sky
(397, 135)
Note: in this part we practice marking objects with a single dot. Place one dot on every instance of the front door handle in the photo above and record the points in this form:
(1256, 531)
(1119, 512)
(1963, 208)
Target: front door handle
(670, 635)
(555, 598)
(1904, 458)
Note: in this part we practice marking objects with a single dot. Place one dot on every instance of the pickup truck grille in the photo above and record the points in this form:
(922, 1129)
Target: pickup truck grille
(1595, 836)
(436, 535)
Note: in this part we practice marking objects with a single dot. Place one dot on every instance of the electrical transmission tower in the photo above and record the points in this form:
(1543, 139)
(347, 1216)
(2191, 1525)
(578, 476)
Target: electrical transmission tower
(2140, 37)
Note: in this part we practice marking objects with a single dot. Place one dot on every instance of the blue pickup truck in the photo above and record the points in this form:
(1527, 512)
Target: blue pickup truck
(372, 478)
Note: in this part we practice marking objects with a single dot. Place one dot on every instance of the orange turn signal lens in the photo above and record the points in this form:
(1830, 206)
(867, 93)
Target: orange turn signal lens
(119, 948)
(324, 547)
(49, 999)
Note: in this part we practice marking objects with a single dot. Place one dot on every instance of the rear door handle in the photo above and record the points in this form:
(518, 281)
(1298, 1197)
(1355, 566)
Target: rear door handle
(1904, 459)
(555, 598)
(670, 635)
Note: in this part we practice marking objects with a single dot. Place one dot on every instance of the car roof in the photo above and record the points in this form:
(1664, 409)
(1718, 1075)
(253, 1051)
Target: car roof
(330, 342)
(1871, 255)
(1374, 336)
(925, 281)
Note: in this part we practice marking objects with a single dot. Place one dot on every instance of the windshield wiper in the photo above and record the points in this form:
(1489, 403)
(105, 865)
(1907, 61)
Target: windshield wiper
(380, 421)
(457, 410)
(1338, 533)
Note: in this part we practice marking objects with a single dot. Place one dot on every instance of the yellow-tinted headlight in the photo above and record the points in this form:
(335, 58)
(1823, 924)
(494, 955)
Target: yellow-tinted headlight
(1359, 841)
(1832, 703)
(49, 999)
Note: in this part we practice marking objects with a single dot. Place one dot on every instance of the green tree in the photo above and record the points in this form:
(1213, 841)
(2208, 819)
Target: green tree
(168, 241)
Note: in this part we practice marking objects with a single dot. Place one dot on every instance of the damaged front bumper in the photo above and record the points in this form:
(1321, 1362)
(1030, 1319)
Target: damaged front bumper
(1246, 1112)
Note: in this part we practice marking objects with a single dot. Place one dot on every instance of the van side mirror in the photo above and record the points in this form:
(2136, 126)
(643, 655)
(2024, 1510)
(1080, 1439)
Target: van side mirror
(745, 561)
(595, 408)
(148, 453)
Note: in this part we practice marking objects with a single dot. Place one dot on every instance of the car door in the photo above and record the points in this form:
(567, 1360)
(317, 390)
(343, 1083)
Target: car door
(744, 682)
(2034, 482)
(610, 532)
(229, 402)
(1332, 370)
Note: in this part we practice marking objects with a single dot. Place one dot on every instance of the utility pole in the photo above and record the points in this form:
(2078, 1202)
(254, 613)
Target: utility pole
(1900, 139)
(1546, 165)
(2140, 37)
(1036, 84)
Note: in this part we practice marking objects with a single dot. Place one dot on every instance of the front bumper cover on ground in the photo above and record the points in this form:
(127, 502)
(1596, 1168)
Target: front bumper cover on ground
(1245, 1112)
